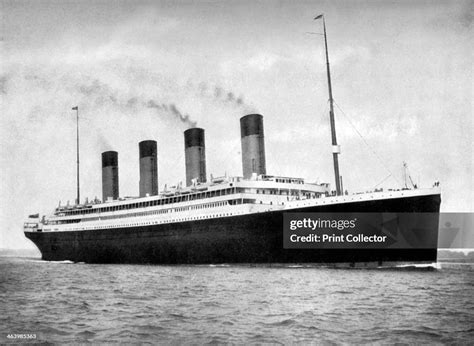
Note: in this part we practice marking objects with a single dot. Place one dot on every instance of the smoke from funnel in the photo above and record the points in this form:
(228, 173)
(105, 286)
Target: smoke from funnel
(230, 98)
(171, 108)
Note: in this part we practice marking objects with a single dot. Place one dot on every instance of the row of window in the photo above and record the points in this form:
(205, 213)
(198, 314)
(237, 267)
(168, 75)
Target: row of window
(158, 212)
(289, 193)
(141, 224)
(161, 201)
(289, 180)
(188, 197)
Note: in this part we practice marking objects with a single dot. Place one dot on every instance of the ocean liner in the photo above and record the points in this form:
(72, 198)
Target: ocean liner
(229, 219)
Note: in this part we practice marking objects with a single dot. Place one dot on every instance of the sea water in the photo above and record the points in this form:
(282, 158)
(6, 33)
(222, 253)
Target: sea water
(74, 302)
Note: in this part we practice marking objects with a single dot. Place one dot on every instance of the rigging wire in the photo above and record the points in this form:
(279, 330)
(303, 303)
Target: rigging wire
(368, 145)
(276, 163)
(388, 176)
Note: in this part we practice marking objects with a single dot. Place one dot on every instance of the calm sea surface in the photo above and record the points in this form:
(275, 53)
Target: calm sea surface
(65, 302)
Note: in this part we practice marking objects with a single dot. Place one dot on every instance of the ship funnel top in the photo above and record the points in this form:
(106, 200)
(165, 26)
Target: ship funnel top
(147, 148)
(251, 124)
(194, 137)
(109, 158)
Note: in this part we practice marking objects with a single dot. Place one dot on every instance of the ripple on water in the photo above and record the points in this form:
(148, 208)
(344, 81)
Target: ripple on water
(68, 303)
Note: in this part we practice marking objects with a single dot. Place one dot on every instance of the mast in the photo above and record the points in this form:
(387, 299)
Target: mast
(77, 152)
(335, 148)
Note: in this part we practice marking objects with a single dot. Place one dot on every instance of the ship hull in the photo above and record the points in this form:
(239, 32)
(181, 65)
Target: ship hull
(252, 238)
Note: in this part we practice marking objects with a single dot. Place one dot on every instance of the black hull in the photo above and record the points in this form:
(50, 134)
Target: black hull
(254, 238)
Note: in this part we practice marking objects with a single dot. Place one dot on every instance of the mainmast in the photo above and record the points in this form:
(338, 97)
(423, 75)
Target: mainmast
(77, 152)
(335, 147)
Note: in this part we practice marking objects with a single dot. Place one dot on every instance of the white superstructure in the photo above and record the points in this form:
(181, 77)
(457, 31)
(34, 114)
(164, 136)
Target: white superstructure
(222, 197)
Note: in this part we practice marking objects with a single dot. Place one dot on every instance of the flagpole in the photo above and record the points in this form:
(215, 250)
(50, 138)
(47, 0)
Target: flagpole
(335, 147)
(77, 152)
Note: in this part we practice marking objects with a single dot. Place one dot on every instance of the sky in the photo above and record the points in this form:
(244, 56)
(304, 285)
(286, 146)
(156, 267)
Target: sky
(401, 73)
